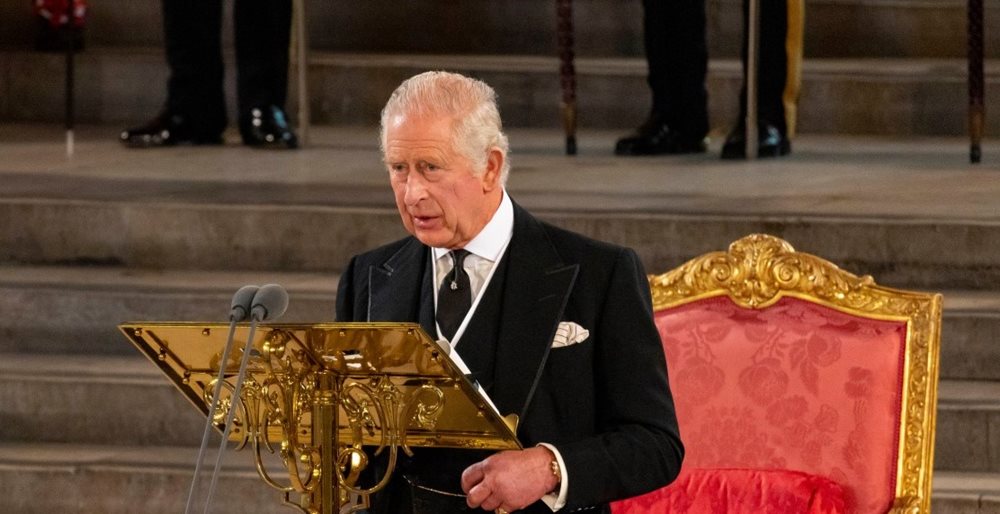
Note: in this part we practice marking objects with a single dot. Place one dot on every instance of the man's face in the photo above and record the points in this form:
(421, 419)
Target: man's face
(440, 198)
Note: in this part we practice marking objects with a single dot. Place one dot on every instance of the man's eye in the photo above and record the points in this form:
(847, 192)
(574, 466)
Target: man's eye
(397, 168)
(432, 167)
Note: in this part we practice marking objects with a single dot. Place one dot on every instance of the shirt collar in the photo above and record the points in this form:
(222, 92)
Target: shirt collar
(490, 242)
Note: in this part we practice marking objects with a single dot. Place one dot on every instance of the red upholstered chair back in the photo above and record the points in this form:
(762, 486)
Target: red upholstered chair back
(780, 361)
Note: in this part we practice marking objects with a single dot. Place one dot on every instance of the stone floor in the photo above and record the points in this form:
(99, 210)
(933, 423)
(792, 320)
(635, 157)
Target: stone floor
(840, 176)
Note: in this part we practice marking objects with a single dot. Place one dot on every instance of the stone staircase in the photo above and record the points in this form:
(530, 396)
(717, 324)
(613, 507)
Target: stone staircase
(89, 243)
(115, 235)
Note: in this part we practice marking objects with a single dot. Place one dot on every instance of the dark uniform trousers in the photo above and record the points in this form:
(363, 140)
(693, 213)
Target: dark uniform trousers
(677, 52)
(194, 53)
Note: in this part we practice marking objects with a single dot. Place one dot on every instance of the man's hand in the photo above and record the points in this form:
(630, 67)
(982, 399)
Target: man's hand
(510, 480)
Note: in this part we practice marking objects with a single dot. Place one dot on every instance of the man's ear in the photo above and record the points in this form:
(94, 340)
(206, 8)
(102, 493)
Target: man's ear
(494, 166)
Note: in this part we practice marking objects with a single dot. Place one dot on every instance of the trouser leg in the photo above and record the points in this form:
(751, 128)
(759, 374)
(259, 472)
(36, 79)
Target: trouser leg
(194, 54)
(780, 57)
(677, 54)
(263, 29)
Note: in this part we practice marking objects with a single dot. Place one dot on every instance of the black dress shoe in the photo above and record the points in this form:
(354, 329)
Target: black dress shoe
(168, 130)
(267, 127)
(770, 142)
(654, 137)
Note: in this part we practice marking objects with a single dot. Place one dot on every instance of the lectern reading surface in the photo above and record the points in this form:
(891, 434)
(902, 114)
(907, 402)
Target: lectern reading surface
(383, 385)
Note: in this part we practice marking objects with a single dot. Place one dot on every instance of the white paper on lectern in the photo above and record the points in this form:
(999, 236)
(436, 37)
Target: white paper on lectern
(457, 359)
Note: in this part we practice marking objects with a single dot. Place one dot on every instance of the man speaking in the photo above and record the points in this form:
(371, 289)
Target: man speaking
(554, 326)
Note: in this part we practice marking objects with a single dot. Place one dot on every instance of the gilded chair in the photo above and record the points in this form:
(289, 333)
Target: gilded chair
(799, 387)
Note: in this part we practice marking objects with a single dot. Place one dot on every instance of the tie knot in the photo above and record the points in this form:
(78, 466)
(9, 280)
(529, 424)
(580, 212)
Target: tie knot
(458, 257)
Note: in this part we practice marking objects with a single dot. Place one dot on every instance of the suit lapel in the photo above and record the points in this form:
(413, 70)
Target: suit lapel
(399, 288)
(537, 287)
(538, 284)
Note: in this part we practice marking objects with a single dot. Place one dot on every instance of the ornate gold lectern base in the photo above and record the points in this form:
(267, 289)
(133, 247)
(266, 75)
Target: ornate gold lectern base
(316, 394)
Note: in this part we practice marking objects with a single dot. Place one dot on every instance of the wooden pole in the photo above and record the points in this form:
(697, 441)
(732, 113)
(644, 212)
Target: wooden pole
(753, 52)
(301, 50)
(567, 71)
(67, 32)
(976, 85)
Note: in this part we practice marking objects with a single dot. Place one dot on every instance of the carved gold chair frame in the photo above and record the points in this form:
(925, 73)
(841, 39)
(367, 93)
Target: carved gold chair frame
(758, 270)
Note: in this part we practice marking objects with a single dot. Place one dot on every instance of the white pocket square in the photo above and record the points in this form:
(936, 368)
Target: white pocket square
(569, 333)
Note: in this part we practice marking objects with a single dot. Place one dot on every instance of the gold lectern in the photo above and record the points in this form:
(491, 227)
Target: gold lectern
(316, 394)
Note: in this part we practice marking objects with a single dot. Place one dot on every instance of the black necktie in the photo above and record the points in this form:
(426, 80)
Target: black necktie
(454, 296)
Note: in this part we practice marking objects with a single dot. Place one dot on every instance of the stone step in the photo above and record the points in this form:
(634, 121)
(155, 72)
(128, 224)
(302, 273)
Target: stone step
(970, 336)
(839, 96)
(968, 426)
(125, 400)
(966, 493)
(75, 310)
(834, 28)
(193, 236)
(94, 400)
(122, 479)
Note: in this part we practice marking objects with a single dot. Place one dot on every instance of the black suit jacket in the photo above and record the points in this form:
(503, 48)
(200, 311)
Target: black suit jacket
(604, 403)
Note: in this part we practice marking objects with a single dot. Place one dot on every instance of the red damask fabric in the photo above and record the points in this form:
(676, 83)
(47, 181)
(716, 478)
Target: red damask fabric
(796, 386)
(722, 491)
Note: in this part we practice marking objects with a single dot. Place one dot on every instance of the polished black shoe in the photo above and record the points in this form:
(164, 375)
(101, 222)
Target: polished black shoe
(267, 127)
(770, 142)
(654, 137)
(168, 130)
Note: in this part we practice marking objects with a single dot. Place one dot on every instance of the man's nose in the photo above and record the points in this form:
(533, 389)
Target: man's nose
(416, 189)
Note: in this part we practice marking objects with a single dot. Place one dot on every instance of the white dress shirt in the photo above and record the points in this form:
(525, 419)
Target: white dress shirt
(484, 251)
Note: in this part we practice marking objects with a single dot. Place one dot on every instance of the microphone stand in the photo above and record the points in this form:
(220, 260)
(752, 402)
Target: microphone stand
(230, 415)
(211, 413)
(241, 307)
(260, 303)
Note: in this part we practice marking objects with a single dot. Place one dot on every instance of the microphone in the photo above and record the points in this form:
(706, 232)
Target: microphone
(242, 302)
(269, 303)
(239, 310)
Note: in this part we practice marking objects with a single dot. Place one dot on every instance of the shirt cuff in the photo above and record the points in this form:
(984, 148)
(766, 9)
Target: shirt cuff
(553, 500)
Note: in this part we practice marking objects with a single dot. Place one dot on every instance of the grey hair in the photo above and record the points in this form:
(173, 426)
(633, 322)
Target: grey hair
(470, 103)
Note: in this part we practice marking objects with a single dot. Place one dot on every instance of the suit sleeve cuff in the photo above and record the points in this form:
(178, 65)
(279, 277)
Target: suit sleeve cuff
(553, 500)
